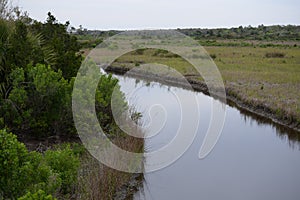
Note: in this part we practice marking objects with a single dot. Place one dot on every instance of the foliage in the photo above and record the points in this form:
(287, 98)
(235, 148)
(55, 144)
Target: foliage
(107, 87)
(64, 45)
(38, 62)
(275, 32)
(39, 101)
(65, 163)
(5, 9)
(4, 45)
(12, 164)
(22, 171)
(107, 94)
(39, 195)
(25, 42)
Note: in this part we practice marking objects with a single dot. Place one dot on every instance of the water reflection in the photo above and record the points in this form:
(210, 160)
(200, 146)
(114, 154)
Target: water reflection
(283, 132)
(254, 158)
(287, 134)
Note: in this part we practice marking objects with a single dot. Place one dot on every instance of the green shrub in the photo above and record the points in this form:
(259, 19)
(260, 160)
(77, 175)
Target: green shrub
(22, 171)
(39, 102)
(41, 175)
(65, 163)
(39, 195)
(13, 165)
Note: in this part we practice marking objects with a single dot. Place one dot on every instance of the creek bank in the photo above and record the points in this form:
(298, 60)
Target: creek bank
(232, 97)
(127, 191)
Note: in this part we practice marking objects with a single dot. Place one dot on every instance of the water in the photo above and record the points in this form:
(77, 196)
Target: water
(253, 159)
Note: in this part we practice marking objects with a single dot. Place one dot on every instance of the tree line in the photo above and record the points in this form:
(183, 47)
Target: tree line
(91, 38)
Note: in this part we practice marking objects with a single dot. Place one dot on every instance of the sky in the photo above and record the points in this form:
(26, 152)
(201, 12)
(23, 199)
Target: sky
(164, 14)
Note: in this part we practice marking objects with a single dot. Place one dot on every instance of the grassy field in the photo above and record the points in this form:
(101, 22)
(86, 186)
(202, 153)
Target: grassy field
(267, 77)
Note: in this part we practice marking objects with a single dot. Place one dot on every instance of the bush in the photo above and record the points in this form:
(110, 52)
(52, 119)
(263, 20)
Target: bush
(275, 55)
(213, 56)
(39, 102)
(65, 164)
(22, 171)
(12, 165)
(39, 195)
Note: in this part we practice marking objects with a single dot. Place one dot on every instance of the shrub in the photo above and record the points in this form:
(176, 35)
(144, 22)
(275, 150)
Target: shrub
(22, 171)
(65, 163)
(275, 55)
(39, 102)
(12, 165)
(39, 195)
(213, 56)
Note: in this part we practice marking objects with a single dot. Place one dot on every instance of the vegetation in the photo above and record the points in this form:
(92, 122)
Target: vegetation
(261, 32)
(23, 171)
(38, 65)
(261, 36)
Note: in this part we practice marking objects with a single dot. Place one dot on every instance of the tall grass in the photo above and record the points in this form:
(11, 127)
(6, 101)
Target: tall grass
(99, 182)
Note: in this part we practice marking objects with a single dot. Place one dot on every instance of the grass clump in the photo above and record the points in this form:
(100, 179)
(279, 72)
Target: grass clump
(275, 55)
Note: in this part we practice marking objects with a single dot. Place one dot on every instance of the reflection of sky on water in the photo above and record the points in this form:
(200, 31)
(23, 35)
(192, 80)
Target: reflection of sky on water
(250, 161)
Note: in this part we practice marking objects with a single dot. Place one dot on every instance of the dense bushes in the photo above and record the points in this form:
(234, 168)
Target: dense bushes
(13, 157)
(39, 102)
(38, 63)
(27, 42)
(22, 171)
(107, 87)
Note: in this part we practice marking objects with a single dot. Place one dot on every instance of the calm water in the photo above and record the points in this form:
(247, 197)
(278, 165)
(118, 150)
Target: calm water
(252, 160)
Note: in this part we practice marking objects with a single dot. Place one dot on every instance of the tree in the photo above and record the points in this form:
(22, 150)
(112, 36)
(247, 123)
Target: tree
(64, 45)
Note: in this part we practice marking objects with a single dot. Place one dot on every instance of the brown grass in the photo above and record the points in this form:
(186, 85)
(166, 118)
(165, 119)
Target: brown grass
(99, 182)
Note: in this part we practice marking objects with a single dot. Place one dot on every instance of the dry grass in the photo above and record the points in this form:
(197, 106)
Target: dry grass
(258, 79)
(99, 182)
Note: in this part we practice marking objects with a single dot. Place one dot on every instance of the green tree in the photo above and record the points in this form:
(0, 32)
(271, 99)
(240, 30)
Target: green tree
(64, 45)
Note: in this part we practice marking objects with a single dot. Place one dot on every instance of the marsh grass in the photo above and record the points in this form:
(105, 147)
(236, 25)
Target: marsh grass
(99, 182)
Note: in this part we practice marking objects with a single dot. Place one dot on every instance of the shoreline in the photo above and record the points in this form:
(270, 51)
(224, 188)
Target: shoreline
(232, 98)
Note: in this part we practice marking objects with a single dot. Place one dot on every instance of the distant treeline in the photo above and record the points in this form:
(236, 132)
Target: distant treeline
(276, 32)
(90, 38)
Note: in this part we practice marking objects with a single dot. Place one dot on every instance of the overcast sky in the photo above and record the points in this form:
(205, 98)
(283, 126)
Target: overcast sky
(149, 14)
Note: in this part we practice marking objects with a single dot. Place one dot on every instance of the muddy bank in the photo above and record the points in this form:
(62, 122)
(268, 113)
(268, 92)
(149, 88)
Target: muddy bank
(127, 191)
(233, 98)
